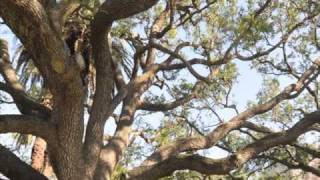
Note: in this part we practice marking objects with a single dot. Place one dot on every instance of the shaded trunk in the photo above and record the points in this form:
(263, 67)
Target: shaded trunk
(67, 114)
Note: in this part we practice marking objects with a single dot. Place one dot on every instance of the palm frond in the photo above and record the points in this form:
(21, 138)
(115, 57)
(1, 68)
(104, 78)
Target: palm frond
(22, 58)
(23, 64)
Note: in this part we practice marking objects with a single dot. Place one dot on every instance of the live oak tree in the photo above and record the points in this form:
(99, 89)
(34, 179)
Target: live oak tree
(178, 58)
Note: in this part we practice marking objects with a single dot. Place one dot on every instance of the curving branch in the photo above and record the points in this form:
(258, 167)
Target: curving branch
(223, 166)
(131, 93)
(111, 153)
(265, 130)
(114, 10)
(104, 86)
(184, 61)
(12, 167)
(256, 128)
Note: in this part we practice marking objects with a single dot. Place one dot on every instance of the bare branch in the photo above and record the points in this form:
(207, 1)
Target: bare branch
(177, 56)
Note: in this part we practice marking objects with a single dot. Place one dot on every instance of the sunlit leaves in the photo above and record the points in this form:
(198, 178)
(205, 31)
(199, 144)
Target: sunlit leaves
(169, 131)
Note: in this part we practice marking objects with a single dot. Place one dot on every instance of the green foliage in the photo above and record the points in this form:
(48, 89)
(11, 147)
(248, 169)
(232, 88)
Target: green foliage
(193, 175)
(270, 88)
(235, 141)
(182, 175)
(169, 131)
(118, 172)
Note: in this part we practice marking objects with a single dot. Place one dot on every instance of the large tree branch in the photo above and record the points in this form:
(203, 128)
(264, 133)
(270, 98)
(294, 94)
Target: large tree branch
(25, 124)
(104, 85)
(114, 10)
(111, 153)
(223, 166)
(265, 130)
(213, 137)
(101, 44)
(12, 167)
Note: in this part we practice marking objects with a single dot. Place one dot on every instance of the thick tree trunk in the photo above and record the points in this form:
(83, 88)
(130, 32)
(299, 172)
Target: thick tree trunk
(68, 109)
